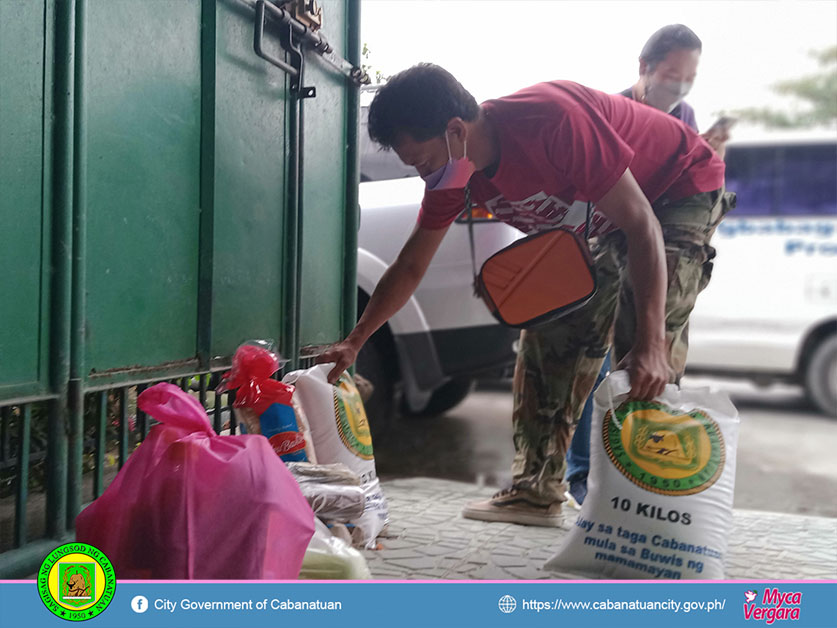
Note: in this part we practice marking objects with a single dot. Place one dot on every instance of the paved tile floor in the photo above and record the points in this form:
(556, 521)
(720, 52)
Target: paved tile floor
(428, 539)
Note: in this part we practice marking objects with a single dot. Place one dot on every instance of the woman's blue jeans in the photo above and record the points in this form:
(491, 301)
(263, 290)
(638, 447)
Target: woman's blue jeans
(578, 455)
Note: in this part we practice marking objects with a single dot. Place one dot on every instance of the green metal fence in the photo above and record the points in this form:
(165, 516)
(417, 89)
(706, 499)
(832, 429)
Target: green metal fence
(165, 194)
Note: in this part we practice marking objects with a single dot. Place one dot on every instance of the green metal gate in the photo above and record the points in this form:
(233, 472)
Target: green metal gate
(165, 194)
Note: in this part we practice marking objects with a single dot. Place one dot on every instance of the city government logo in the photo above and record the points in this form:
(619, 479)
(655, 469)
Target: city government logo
(663, 450)
(76, 582)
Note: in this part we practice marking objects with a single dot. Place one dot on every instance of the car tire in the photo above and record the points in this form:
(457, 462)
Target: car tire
(447, 396)
(372, 363)
(821, 376)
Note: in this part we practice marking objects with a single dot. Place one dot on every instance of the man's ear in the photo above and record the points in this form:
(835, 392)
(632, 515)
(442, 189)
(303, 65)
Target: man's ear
(456, 129)
(643, 67)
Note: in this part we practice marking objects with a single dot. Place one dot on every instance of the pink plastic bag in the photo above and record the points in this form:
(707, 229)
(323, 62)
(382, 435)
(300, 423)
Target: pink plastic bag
(192, 504)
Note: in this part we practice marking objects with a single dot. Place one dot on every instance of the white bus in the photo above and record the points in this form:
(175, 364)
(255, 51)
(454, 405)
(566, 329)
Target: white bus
(770, 311)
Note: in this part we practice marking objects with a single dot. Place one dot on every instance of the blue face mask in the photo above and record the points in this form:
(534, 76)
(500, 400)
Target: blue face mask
(454, 175)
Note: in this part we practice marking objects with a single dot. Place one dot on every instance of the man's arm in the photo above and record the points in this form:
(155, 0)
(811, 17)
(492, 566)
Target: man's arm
(397, 285)
(627, 207)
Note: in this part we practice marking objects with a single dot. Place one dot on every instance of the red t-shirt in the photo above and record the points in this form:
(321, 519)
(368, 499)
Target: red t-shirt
(563, 144)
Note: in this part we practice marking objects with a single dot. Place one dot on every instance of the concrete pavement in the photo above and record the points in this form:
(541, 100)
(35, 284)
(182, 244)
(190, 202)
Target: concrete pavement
(428, 539)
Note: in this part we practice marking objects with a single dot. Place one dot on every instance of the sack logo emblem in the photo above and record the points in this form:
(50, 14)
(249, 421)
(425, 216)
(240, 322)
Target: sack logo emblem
(663, 450)
(352, 424)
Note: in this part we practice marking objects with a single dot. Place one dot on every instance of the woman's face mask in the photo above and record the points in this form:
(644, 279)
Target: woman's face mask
(454, 175)
(666, 95)
(668, 83)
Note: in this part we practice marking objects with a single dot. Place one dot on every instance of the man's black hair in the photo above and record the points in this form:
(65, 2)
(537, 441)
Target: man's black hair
(419, 101)
(668, 38)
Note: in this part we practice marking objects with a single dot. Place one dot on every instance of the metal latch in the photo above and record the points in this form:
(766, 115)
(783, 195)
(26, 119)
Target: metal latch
(294, 36)
(307, 12)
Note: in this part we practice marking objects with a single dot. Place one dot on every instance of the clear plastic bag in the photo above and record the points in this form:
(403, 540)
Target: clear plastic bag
(265, 406)
(333, 490)
(335, 473)
(330, 558)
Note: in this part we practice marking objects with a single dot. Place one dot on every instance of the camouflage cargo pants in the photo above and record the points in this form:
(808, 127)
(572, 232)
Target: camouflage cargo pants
(558, 362)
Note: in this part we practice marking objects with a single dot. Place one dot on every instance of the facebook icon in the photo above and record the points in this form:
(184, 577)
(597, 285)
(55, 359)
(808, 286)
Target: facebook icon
(139, 604)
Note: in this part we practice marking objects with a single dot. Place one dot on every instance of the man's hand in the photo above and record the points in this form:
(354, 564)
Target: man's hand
(648, 369)
(343, 354)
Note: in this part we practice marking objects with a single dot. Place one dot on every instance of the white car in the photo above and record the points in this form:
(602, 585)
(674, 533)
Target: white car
(429, 353)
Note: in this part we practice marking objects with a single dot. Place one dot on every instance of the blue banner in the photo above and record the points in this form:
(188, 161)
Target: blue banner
(437, 604)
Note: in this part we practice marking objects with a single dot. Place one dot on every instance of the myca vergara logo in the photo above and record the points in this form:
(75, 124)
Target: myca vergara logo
(662, 450)
(352, 423)
(76, 582)
(774, 605)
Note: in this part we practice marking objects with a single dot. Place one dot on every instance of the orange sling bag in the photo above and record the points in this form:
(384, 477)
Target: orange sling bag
(536, 279)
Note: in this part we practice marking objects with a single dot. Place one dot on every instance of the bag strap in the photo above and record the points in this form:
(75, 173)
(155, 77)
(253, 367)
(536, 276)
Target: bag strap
(587, 224)
(469, 207)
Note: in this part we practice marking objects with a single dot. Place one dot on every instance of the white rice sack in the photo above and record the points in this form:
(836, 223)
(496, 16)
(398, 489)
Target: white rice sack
(660, 488)
(340, 431)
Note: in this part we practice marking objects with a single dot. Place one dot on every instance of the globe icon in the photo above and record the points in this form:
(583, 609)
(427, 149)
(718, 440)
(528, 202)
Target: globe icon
(507, 604)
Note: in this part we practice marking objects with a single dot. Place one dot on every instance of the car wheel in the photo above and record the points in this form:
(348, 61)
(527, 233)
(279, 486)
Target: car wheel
(821, 376)
(372, 363)
(444, 398)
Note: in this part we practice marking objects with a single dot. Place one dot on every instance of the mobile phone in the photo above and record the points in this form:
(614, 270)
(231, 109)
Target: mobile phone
(724, 123)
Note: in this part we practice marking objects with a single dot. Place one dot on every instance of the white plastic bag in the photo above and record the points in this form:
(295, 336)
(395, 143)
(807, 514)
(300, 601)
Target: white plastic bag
(341, 434)
(660, 488)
